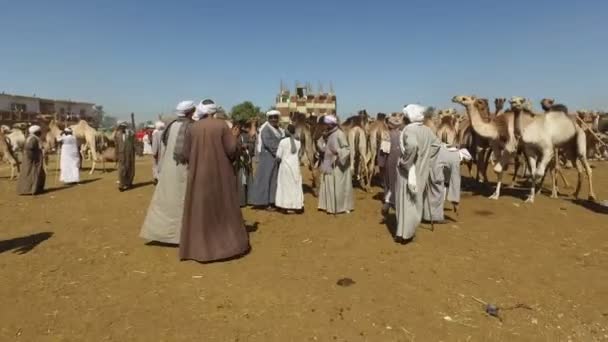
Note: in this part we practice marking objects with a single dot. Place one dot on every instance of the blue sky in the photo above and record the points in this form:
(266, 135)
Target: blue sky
(144, 57)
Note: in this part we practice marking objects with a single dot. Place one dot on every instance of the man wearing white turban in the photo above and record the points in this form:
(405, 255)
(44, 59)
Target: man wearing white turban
(419, 147)
(336, 188)
(262, 192)
(32, 176)
(445, 170)
(70, 158)
(158, 148)
(163, 222)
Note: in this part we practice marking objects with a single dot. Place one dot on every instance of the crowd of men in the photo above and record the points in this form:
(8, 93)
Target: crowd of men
(204, 174)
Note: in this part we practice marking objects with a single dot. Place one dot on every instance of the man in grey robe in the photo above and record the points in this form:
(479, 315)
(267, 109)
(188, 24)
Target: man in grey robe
(419, 147)
(158, 149)
(163, 222)
(124, 141)
(32, 176)
(263, 190)
(336, 188)
(244, 162)
(444, 182)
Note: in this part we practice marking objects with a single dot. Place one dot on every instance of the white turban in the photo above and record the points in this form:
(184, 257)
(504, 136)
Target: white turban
(34, 129)
(159, 125)
(273, 112)
(68, 130)
(122, 123)
(330, 120)
(414, 112)
(204, 109)
(464, 154)
(184, 107)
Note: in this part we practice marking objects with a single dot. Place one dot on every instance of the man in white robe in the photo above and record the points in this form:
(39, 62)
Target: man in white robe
(158, 148)
(336, 188)
(419, 147)
(444, 182)
(70, 158)
(163, 222)
(290, 195)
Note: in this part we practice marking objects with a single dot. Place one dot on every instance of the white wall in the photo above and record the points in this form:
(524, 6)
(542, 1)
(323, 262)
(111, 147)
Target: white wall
(32, 104)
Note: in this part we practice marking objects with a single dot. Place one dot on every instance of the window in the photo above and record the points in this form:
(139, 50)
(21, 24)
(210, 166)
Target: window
(18, 107)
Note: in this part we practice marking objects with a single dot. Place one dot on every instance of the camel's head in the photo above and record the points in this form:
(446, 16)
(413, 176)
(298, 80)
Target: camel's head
(547, 104)
(446, 112)
(520, 103)
(464, 100)
(5, 129)
(499, 103)
(483, 106)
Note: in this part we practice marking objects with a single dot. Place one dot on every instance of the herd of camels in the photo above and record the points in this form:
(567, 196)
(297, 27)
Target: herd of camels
(544, 141)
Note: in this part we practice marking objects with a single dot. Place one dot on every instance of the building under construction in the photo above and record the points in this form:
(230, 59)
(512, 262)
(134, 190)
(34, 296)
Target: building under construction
(306, 101)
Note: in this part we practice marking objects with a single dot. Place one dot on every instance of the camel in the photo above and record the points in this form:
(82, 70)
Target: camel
(16, 138)
(6, 154)
(355, 128)
(448, 126)
(478, 146)
(499, 104)
(86, 136)
(541, 134)
(497, 131)
(377, 130)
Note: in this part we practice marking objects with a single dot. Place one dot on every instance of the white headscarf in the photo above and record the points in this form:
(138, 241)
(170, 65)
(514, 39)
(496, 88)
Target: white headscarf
(34, 129)
(184, 107)
(67, 130)
(204, 109)
(415, 113)
(122, 123)
(273, 112)
(159, 125)
(330, 120)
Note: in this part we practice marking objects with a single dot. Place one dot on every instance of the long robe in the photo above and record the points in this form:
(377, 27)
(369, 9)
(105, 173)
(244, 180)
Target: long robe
(163, 221)
(32, 176)
(125, 156)
(336, 188)
(390, 168)
(70, 159)
(290, 194)
(147, 144)
(264, 188)
(419, 146)
(245, 167)
(213, 226)
(158, 150)
(445, 170)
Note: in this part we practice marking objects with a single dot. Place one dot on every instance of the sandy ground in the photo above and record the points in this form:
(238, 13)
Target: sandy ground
(72, 268)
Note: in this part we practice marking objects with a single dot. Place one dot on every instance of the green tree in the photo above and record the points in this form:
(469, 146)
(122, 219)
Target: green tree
(245, 111)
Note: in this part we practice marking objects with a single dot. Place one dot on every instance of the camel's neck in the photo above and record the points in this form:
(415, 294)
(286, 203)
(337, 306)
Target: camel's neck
(485, 129)
(520, 118)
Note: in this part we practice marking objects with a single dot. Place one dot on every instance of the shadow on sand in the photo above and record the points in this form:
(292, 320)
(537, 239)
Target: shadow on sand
(68, 186)
(22, 245)
(597, 208)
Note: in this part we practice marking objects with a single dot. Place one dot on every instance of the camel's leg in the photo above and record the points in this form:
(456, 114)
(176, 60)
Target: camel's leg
(532, 161)
(499, 170)
(516, 165)
(554, 189)
(579, 181)
(581, 151)
(93, 162)
(486, 163)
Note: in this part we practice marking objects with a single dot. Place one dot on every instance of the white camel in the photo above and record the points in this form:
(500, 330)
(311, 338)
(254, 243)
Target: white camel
(542, 134)
(86, 135)
(6, 154)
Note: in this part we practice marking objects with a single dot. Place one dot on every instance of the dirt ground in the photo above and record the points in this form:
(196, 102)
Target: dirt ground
(72, 268)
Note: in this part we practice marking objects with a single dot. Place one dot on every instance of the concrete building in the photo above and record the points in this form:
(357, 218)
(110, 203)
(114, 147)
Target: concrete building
(304, 100)
(18, 108)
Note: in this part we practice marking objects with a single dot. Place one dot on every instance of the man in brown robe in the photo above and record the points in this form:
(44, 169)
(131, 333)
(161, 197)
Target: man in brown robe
(125, 155)
(213, 227)
(32, 175)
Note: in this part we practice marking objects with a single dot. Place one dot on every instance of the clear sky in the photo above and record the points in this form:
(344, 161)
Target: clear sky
(145, 56)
